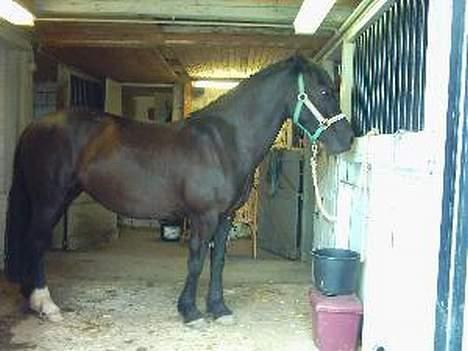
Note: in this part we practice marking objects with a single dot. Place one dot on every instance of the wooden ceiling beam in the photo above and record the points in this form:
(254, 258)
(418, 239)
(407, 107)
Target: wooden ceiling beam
(274, 11)
(165, 64)
(29, 5)
(146, 36)
(254, 11)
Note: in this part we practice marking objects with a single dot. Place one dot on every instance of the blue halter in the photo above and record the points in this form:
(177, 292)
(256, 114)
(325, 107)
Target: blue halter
(303, 99)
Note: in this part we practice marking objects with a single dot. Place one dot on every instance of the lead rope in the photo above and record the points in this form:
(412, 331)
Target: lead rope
(313, 165)
(323, 124)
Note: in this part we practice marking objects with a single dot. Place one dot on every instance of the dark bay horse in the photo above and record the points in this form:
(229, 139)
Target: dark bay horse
(200, 168)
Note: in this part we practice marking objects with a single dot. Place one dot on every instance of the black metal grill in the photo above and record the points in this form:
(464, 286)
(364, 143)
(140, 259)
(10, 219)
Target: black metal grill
(389, 66)
(86, 93)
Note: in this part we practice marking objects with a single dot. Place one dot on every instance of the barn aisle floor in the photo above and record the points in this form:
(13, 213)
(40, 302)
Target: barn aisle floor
(123, 295)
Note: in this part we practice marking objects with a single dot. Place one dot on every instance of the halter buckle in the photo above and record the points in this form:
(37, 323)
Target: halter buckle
(302, 96)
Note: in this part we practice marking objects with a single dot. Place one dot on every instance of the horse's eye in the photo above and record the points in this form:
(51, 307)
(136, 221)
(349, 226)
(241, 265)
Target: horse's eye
(323, 92)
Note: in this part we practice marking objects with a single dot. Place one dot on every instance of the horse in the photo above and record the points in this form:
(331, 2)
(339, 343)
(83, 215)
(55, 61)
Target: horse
(200, 168)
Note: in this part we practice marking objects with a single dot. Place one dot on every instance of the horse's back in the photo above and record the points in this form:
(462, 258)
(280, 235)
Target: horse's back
(130, 167)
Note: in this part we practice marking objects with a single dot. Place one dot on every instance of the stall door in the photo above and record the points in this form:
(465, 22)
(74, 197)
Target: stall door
(280, 203)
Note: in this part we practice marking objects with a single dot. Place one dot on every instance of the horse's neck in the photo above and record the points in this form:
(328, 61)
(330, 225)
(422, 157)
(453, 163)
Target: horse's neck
(257, 117)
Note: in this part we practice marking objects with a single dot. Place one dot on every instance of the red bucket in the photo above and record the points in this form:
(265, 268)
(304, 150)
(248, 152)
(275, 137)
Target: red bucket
(336, 321)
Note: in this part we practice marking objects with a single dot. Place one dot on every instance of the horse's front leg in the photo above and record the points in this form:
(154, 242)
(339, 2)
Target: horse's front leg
(203, 228)
(215, 300)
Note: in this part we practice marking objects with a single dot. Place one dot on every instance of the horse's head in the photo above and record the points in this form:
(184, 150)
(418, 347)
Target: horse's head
(315, 108)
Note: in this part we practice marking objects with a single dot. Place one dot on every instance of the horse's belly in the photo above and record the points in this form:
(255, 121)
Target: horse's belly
(133, 198)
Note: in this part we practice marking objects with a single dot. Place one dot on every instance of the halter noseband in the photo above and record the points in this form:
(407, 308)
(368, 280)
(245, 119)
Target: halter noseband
(303, 99)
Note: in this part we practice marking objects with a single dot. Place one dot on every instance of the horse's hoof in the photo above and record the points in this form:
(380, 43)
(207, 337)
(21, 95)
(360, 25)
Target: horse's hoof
(197, 324)
(226, 320)
(54, 317)
(41, 303)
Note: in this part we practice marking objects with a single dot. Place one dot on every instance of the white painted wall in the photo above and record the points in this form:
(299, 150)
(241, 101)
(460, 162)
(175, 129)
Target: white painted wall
(16, 64)
(393, 186)
(387, 193)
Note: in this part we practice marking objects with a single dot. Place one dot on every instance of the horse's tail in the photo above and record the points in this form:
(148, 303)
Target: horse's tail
(17, 222)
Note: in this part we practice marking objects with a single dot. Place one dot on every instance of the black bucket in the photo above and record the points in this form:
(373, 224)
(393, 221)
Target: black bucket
(335, 271)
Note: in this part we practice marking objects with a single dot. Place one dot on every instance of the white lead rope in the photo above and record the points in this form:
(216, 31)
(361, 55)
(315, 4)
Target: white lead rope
(313, 165)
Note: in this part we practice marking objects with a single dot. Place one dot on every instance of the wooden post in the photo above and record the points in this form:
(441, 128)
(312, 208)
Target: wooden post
(187, 99)
(63, 87)
(177, 102)
(255, 219)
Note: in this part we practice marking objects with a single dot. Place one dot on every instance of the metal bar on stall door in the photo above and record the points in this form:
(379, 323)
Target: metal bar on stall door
(369, 81)
(392, 59)
(407, 78)
(381, 74)
(358, 88)
(359, 91)
(389, 70)
(398, 73)
(377, 75)
(385, 77)
(362, 88)
(422, 6)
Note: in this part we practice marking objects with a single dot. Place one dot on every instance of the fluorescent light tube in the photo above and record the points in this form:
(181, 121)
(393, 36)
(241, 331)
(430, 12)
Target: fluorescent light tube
(311, 15)
(14, 13)
(216, 84)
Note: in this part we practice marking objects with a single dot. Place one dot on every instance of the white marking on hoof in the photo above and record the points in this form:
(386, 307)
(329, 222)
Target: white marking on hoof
(226, 320)
(197, 324)
(41, 302)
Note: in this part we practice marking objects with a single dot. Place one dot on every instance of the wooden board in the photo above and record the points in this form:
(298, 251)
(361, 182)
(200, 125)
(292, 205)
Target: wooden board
(120, 64)
(151, 41)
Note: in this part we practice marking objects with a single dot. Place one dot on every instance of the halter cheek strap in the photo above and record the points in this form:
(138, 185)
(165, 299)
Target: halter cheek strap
(303, 99)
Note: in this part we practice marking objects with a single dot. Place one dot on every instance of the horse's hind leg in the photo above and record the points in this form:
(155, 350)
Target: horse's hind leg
(203, 228)
(39, 236)
(33, 285)
(215, 300)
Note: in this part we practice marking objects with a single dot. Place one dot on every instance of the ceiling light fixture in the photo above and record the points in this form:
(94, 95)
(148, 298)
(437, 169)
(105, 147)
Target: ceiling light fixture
(14, 13)
(216, 84)
(311, 15)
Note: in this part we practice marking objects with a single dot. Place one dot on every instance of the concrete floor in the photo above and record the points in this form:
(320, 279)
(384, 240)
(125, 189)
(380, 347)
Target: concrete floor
(123, 296)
